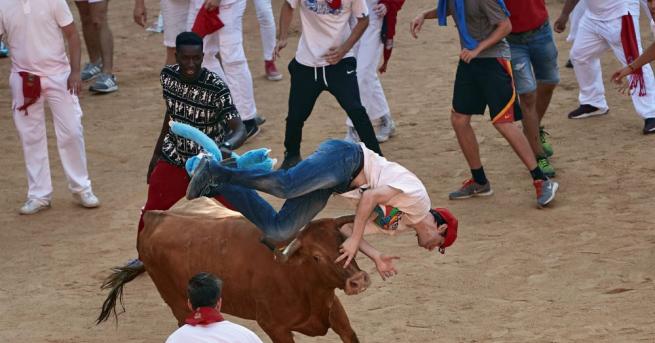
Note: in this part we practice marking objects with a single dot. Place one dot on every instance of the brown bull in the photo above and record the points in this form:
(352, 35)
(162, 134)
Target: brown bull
(297, 295)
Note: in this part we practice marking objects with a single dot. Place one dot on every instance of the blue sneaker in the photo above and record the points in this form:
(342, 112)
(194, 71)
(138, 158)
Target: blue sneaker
(4, 50)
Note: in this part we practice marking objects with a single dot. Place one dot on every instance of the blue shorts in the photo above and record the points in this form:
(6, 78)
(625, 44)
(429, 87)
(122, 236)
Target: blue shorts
(534, 58)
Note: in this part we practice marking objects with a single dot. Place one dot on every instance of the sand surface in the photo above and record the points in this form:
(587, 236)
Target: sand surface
(579, 271)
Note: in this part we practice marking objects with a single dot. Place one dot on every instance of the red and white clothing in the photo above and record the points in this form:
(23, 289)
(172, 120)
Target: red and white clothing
(368, 52)
(599, 9)
(219, 332)
(324, 28)
(593, 38)
(413, 201)
(33, 32)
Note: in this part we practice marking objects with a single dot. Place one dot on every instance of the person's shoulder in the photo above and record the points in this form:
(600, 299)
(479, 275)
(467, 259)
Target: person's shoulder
(178, 335)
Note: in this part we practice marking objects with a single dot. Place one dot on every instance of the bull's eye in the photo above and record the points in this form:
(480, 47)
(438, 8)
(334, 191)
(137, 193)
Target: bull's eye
(317, 258)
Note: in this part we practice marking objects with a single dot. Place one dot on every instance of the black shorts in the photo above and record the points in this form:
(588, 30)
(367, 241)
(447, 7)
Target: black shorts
(486, 82)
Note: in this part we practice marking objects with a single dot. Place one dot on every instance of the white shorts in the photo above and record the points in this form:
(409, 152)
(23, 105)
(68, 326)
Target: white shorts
(175, 13)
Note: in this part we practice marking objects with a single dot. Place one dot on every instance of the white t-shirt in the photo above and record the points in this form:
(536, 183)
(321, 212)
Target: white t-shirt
(220, 332)
(324, 28)
(34, 37)
(611, 9)
(413, 200)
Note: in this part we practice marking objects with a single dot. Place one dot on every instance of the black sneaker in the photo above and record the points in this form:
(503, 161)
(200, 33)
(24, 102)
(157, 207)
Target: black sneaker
(649, 126)
(290, 160)
(260, 120)
(569, 64)
(586, 111)
(252, 129)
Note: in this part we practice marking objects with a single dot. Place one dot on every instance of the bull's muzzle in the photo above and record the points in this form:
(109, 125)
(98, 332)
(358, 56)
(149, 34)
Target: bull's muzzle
(357, 283)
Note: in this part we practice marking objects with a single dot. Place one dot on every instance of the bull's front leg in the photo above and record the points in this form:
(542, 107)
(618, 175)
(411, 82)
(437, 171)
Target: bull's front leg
(340, 323)
(277, 334)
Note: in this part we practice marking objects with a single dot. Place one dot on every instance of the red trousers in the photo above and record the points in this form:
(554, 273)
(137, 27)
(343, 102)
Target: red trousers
(168, 184)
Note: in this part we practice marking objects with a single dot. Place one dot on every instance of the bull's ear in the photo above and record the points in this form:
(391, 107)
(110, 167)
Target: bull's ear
(344, 220)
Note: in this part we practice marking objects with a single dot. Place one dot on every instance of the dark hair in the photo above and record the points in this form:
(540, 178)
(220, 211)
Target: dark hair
(204, 290)
(188, 38)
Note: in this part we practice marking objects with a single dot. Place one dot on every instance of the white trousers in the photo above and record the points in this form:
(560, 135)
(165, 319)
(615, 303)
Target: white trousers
(368, 53)
(67, 117)
(581, 7)
(266, 20)
(594, 37)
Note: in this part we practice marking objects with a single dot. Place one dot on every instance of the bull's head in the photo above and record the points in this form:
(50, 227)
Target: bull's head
(317, 246)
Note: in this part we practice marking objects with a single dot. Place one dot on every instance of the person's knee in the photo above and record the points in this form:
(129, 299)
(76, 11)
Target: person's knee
(528, 100)
(459, 120)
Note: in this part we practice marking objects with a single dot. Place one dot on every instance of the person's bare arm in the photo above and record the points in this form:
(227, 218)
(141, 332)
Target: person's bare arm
(237, 136)
(383, 263)
(560, 23)
(417, 23)
(336, 54)
(502, 29)
(73, 39)
(156, 154)
(367, 203)
(647, 56)
(140, 14)
(286, 14)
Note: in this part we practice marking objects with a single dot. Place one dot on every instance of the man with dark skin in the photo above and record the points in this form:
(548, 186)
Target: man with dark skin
(197, 97)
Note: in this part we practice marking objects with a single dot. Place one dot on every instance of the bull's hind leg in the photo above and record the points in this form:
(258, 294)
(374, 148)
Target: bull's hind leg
(340, 323)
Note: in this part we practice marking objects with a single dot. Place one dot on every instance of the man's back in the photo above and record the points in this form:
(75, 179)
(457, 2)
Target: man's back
(220, 332)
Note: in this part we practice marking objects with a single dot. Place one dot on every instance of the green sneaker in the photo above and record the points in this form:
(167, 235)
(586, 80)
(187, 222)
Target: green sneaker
(548, 149)
(471, 189)
(545, 166)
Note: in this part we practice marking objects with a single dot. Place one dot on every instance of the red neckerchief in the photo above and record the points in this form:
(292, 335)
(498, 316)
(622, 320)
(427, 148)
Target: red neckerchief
(207, 22)
(389, 29)
(631, 51)
(31, 89)
(204, 316)
(334, 4)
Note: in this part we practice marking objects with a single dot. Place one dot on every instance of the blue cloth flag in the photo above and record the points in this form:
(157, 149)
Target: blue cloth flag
(459, 12)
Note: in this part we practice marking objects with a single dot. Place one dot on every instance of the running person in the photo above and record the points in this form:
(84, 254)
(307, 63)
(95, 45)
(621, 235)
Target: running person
(324, 61)
(264, 11)
(484, 79)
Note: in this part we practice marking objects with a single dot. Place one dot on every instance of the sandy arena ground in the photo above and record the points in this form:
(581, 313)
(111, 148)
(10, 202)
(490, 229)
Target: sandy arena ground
(579, 271)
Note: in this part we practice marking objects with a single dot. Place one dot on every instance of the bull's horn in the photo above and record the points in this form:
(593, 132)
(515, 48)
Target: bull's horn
(344, 220)
(288, 251)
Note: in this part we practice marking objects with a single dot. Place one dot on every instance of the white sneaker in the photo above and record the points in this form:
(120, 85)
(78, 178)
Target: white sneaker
(86, 199)
(32, 206)
(351, 135)
(387, 129)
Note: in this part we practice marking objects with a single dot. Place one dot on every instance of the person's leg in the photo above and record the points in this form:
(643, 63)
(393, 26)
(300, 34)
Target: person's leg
(175, 13)
(32, 133)
(235, 64)
(89, 32)
(303, 92)
(67, 117)
(342, 83)
(466, 138)
(98, 12)
(543, 55)
(168, 184)
(276, 226)
(585, 55)
(266, 20)
(644, 103)
(331, 166)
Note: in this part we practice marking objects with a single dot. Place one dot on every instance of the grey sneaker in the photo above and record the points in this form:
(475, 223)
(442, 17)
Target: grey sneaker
(90, 71)
(546, 190)
(32, 206)
(387, 129)
(105, 83)
(471, 189)
(351, 135)
(205, 178)
(87, 199)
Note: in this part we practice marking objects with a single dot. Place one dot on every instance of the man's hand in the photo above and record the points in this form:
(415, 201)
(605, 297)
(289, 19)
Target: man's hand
(281, 44)
(416, 24)
(140, 14)
(467, 55)
(334, 55)
(74, 83)
(618, 77)
(385, 267)
(348, 251)
(380, 10)
(211, 4)
(560, 24)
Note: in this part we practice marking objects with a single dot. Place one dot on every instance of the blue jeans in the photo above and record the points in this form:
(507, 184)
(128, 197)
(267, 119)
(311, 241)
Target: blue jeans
(534, 59)
(307, 188)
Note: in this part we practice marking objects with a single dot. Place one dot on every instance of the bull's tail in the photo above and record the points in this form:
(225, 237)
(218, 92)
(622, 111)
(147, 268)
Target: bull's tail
(115, 282)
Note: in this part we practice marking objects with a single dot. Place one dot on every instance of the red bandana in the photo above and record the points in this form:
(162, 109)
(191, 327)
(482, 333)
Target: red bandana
(631, 51)
(31, 89)
(334, 4)
(204, 316)
(207, 22)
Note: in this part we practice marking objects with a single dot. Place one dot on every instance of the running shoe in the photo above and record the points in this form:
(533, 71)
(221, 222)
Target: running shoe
(545, 166)
(87, 199)
(271, 71)
(252, 129)
(33, 206)
(586, 111)
(105, 83)
(351, 135)
(546, 190)
(649, 126)
(387, 129)
(548, 148)
(91, 71)
(469, 189)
